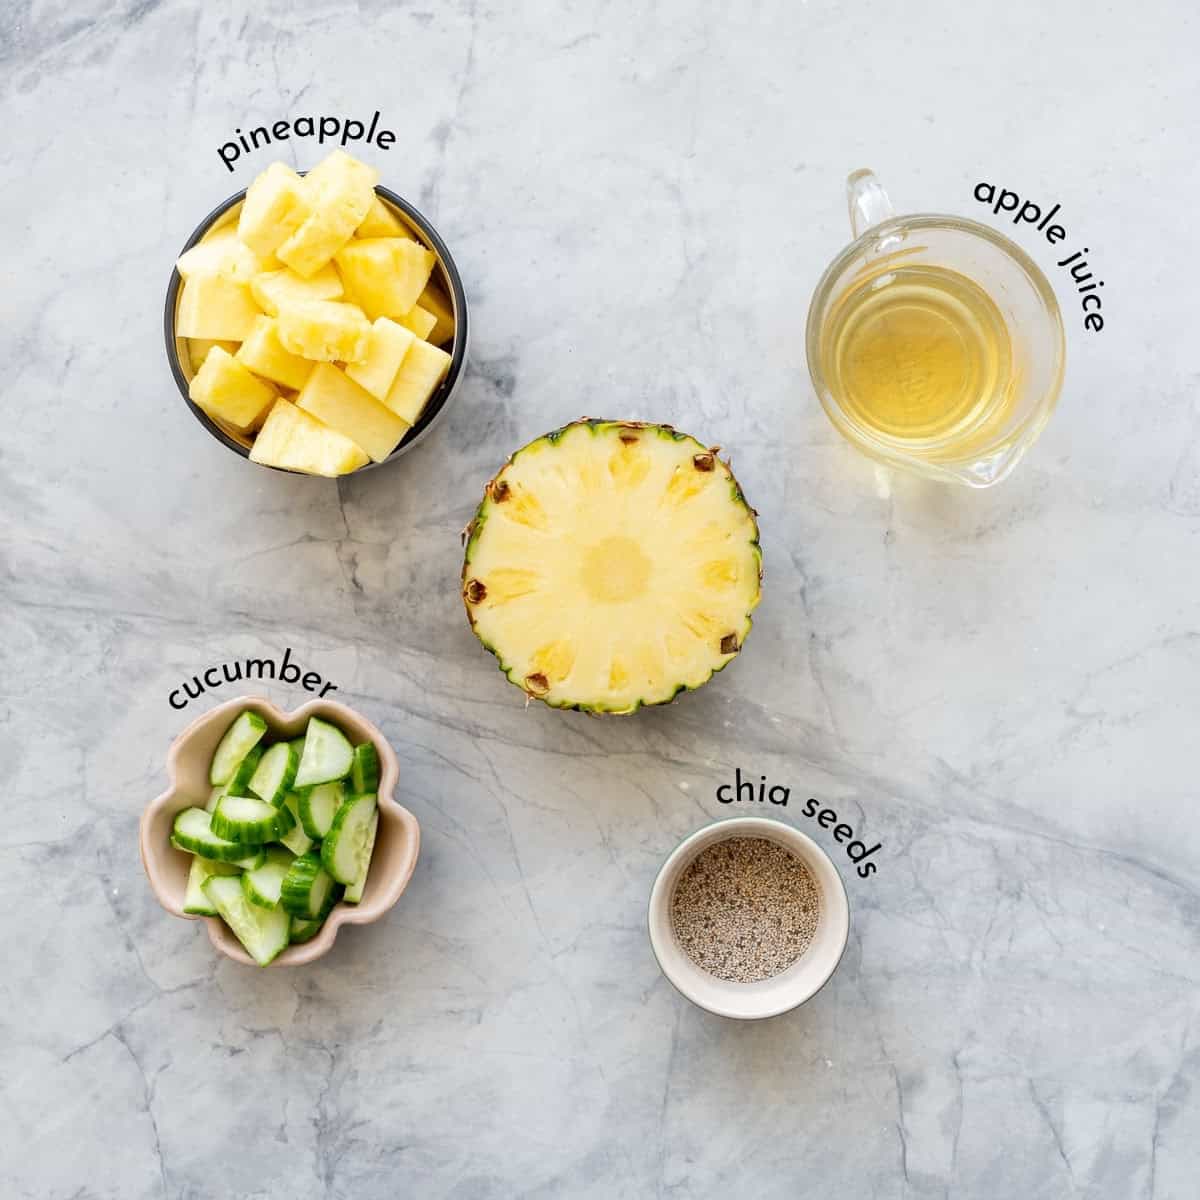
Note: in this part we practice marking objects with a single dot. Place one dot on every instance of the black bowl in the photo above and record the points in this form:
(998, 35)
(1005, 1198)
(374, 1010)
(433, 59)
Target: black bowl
(444, 271)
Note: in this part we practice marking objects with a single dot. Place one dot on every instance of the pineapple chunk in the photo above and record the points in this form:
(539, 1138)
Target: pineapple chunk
(264, 354)
(342, 405)
(198, 349)
(377, 372)
(340, 190)
(215, 307)
(384, 276)
(272, 290)
(339, 175)
(275, 207)
(227, 391)
(220, 253)
(316, 242)
(381, 221)
(433, 299)
(421, 321)
(325, 331)
(423, 368)
(294, 441)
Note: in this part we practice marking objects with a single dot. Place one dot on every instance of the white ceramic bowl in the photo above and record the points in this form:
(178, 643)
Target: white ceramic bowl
(790, 988)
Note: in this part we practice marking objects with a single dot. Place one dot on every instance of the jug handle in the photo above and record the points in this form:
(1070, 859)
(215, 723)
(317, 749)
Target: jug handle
(868, 202)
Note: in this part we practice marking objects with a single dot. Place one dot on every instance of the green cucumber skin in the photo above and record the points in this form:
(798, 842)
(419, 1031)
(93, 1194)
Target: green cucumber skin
(354, 891)
(304, 929)
(206, 843)
(364, 774)
(343, 861)
(318, 806)
(274, 774)
(302, 885)
(244, 733)
(327, 756)
(309, 927)
(241, 777)
(255, 832)
(264, 933)
(249, 863)
(245, 772)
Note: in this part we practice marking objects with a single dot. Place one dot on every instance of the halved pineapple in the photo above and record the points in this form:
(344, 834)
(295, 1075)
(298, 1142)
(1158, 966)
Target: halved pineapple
(612, 564)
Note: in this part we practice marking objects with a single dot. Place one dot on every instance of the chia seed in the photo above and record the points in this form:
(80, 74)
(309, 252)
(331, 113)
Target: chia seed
(745, 909)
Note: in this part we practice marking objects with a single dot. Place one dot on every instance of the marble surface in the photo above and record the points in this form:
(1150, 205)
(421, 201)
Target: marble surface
(1002, 687)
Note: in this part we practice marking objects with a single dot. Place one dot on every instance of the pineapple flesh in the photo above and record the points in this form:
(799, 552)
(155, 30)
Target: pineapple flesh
(325, 331)
(293, 440)
(337, 401)
(273, 296)
(273, 290)
(276, 205)
(229, 392)
(381, 221)
(612, 565)
(388, 345)
(420, 322)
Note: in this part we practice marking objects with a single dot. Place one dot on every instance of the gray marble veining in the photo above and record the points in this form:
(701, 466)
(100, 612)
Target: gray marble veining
(1002, 688)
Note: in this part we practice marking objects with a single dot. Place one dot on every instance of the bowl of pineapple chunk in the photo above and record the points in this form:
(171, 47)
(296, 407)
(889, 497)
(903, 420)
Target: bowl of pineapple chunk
(316, 323)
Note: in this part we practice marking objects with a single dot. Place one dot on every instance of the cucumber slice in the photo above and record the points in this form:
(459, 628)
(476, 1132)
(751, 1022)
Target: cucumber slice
(318, 805)
(194, 833)
(240, 738)
(263, 931)
(345, 852)
(304, 929)
(328, 754)
(263, 884)
(364, 774)
(238, 783)
(354, 893)
(194, 899)
(255, 855)
(296, 840)
(273, 778)
(248, 819)
(307, 887)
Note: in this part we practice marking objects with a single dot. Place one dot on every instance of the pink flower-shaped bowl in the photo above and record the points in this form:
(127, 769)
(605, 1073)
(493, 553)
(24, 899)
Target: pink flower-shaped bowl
(396, 844)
